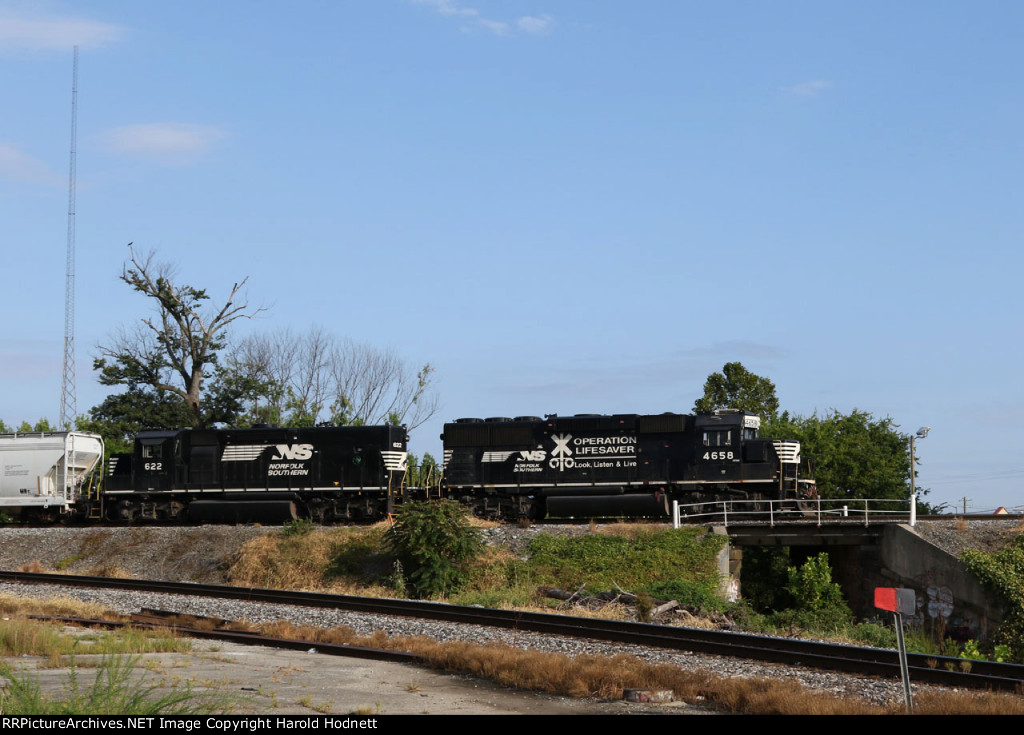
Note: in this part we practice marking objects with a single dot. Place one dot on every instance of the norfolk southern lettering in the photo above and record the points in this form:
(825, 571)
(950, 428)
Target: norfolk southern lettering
(290, 451)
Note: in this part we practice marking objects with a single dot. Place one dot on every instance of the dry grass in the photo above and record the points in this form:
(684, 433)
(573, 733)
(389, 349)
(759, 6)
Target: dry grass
(968, 703)
(33, 567)
(109, 569)
(11, 606)
(961, 524)
(301, 562)
(607, 678)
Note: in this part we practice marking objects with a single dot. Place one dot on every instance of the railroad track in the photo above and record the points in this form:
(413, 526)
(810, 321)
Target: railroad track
(196, 626)
(939, 670)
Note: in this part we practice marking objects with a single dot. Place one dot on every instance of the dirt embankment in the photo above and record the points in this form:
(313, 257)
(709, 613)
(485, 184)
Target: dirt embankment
(203, 553)
(188, 554)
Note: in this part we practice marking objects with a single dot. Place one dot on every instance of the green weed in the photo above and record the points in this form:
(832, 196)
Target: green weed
(298, 527)
(112, 692)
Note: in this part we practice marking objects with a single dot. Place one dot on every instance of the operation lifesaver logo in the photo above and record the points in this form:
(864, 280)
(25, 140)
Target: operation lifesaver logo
(580, 452)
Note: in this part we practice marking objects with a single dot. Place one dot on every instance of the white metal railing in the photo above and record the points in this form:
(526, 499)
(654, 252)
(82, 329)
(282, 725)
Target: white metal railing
(817, 510)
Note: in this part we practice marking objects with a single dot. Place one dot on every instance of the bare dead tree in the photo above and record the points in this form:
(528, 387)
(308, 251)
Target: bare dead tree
(315, 378)
(372, 386)
(172, 350)
(259, 363)
(290, 372)
(311, 391)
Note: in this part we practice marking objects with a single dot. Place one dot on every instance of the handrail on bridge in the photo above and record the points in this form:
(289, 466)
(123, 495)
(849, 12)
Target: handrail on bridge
(820, 510)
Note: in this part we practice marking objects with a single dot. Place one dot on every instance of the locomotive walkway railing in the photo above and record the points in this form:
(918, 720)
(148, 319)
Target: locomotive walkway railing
(817, 511)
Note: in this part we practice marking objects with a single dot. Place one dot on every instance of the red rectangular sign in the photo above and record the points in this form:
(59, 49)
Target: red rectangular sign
(895, 599)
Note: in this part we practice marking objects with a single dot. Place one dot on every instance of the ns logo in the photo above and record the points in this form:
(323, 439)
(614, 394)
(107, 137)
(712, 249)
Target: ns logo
(532, 456)
(293, 451)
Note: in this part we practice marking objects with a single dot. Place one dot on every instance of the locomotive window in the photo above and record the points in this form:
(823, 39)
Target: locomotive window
(717, 438)
(749, 434)
(151, 451)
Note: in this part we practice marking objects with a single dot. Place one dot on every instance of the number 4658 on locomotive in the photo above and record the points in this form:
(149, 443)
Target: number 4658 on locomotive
(618, 465)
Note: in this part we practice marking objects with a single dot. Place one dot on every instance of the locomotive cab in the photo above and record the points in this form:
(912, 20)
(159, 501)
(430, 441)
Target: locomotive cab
(730, 450)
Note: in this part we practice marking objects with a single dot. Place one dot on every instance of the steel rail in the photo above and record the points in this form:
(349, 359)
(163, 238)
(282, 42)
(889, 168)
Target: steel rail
(243, 637)
(941, 670)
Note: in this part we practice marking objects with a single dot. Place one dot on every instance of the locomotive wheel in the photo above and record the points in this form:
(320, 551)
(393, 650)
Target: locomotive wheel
(125, 511)
(316, 511)
(369, 510)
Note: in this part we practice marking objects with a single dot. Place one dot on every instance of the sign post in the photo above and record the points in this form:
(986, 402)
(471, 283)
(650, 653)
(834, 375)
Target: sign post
(899, 601)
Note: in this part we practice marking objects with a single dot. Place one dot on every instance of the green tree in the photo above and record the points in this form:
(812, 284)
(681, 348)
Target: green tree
(174, 350)
(736, 387)
(123, 415)
(850, 455)
(433, 541)
(40, 425)
(422, 473)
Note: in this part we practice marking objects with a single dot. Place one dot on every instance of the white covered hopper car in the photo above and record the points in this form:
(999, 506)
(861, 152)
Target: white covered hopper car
(42, 473)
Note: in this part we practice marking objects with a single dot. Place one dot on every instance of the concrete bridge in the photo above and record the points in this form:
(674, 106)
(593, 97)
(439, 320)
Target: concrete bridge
(865, 556)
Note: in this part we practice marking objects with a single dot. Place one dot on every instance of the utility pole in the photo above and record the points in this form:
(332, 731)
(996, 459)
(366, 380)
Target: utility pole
(68, 398)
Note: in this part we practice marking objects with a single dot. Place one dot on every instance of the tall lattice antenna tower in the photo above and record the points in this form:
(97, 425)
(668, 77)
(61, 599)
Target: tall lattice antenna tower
(68, 399)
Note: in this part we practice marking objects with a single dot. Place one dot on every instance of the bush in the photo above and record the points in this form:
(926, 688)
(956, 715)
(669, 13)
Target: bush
(433, 541)
(819, 603)
(1003, 573)
(881, 636)
(700, 595)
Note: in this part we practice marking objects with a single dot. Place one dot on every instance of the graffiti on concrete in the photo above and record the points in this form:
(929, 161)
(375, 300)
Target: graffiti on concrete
(940, 601)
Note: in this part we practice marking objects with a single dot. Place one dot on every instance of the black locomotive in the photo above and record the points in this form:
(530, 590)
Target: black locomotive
(526, 467)
(620, 465)
(327, 474)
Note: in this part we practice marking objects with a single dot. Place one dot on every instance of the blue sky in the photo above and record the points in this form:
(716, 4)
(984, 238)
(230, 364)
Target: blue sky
(565, 206)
